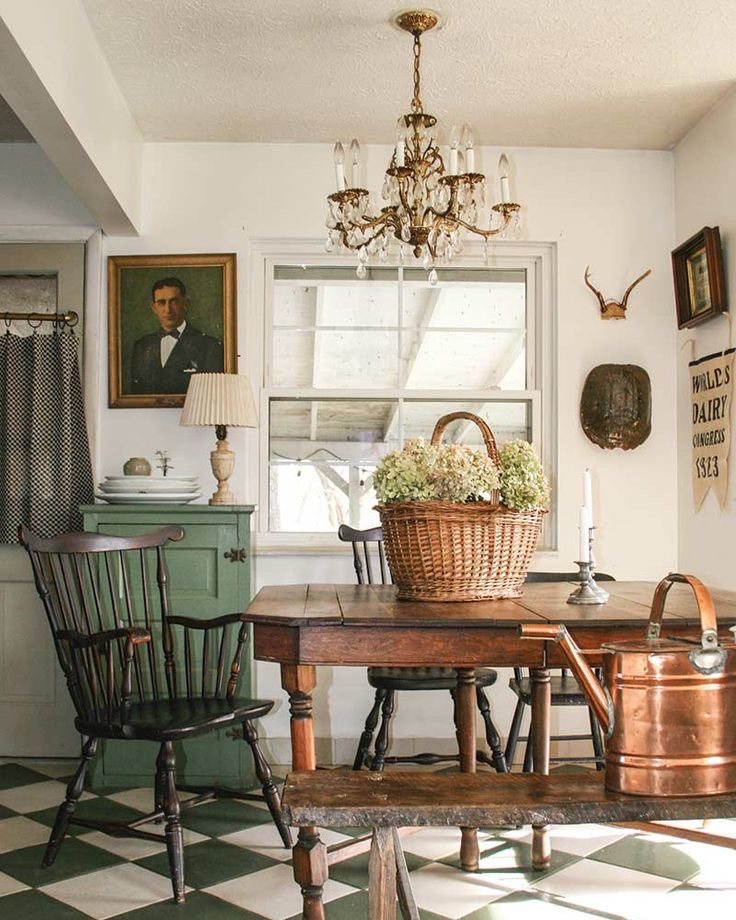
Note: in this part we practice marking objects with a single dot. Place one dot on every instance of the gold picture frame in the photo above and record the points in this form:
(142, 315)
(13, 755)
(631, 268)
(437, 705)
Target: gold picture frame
(700, 291)
(187, 300)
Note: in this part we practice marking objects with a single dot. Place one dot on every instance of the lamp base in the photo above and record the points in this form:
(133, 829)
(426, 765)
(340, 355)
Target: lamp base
(222, 461)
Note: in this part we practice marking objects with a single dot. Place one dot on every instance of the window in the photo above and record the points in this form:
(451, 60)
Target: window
(354, 367)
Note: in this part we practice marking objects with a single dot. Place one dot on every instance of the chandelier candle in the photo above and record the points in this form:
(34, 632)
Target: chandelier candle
(339, 157)
(454, 141)
(427, 209)
(469, 150)
(503, 178)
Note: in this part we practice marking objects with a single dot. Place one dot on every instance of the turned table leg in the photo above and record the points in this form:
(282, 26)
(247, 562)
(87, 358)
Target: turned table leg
(309, 853)
(539, 733)
(465, 727)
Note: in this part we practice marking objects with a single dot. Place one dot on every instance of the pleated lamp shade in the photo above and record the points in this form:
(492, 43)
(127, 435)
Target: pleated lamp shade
(219, 399)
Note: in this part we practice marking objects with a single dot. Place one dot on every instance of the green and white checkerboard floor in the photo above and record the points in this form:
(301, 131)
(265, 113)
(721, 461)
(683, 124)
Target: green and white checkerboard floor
(235, 867)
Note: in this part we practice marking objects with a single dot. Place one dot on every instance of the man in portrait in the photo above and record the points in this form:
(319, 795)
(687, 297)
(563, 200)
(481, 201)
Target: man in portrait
(164, 361)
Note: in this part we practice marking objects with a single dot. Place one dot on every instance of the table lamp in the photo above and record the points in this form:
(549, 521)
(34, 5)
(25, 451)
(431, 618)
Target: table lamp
(221, 400)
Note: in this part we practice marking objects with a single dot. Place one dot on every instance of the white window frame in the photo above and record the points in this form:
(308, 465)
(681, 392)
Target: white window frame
(539, 262)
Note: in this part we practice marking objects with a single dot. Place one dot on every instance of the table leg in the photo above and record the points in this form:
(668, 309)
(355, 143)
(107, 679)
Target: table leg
(382, 876)
(539, 732)
(309, 853)
(465, 728)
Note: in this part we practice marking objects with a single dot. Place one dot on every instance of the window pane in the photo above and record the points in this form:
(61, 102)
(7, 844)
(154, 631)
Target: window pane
(328, 359)
(336, 303)
(358, 304)
(23, 293)
(468, 331)
(508, 420)
(322, 457)
(355, 360)
(445, 360)
(332, 330)
(293, 358)
(294, 305)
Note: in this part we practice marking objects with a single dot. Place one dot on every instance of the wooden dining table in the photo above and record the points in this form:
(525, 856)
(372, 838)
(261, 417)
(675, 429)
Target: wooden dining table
(302, 627)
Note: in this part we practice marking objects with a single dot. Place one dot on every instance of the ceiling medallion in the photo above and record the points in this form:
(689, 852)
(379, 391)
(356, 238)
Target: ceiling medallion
(428, 208)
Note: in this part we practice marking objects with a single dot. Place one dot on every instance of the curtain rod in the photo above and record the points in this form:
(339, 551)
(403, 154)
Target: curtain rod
(69, 319)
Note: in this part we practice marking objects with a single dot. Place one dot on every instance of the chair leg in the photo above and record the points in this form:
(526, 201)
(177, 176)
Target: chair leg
(159, 784)
(513, 738)
(364, 745)
(66, 809)
(166, 767)
(270, 792)
(387, 711)
(597, 739)
(492, 737)
(528, 752)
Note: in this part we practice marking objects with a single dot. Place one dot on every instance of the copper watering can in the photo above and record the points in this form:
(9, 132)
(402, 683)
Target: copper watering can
(667, 706)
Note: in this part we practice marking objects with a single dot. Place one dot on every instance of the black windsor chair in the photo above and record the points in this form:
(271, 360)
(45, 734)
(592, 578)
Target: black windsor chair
(565, 691)
(134, 671)
(367, 545)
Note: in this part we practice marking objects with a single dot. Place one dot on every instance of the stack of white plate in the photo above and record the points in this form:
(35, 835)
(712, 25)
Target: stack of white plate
(173, 490)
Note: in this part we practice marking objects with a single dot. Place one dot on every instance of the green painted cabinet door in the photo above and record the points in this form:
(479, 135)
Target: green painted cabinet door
(209, 575)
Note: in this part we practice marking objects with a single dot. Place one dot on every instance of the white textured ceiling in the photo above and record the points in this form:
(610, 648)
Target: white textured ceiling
(637, 73)
(582, 73)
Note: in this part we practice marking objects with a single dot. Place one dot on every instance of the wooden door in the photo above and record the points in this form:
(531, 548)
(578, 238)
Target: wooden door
(37, 715)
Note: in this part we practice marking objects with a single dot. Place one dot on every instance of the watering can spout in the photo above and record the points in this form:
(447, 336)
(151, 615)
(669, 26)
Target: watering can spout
(580, 667)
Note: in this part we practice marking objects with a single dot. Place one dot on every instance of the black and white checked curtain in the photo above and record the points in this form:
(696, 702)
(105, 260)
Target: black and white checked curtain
(45, 467)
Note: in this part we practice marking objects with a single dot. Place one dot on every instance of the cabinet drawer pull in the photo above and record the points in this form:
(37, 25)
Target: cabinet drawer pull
(236, 555)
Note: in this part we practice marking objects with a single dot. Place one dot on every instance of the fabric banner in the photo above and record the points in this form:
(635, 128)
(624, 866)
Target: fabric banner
(711, 394)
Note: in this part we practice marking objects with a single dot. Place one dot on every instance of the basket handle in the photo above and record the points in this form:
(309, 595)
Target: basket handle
(488, 439)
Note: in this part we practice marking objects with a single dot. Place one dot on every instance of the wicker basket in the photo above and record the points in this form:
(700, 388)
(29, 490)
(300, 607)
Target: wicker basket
(450, 551)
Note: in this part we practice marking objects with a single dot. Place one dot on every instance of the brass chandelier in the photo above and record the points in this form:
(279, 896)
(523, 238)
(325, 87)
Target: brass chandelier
(427, 207)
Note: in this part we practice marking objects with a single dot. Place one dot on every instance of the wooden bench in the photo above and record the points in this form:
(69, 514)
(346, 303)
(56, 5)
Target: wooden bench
(386, 801)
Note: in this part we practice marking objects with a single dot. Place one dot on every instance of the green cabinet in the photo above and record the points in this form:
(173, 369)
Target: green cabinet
(209, 575)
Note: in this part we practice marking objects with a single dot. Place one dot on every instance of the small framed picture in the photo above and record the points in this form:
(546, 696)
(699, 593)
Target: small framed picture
(168, 317)
(700, 291)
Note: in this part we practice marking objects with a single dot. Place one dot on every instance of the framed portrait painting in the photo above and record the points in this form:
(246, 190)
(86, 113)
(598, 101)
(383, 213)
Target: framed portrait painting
(168, 317)
(700, 291)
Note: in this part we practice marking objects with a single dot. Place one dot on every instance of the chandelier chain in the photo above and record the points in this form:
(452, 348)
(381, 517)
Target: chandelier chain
(416, 102)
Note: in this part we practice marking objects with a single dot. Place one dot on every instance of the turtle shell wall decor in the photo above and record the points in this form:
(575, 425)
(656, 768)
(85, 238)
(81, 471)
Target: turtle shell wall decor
(616, 406)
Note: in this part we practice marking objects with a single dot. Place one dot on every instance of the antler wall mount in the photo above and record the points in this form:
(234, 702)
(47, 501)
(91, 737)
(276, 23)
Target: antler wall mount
(614, 309)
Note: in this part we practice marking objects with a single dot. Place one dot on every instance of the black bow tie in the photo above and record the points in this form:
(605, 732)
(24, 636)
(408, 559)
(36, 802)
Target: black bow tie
(174, 334)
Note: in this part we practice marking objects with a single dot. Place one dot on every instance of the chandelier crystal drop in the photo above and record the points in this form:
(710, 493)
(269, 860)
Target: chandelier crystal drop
(427, 208)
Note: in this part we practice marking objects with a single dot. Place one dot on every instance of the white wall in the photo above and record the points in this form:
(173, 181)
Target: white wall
(612, 210)
(705, 195)
(33, 195)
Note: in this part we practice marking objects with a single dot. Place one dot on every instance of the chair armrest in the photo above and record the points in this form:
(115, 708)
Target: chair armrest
(136, 635)
(214, 623)
(84, 648)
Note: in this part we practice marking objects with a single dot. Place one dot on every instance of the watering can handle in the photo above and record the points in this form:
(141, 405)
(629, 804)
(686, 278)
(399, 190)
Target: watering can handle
(708, 623)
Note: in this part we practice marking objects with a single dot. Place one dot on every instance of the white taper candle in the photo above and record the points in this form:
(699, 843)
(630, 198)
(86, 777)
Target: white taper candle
(588, 494)
(584, 548)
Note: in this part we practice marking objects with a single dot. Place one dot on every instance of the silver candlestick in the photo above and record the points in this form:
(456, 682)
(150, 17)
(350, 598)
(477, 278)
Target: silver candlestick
(601, 592)
(588, 591)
